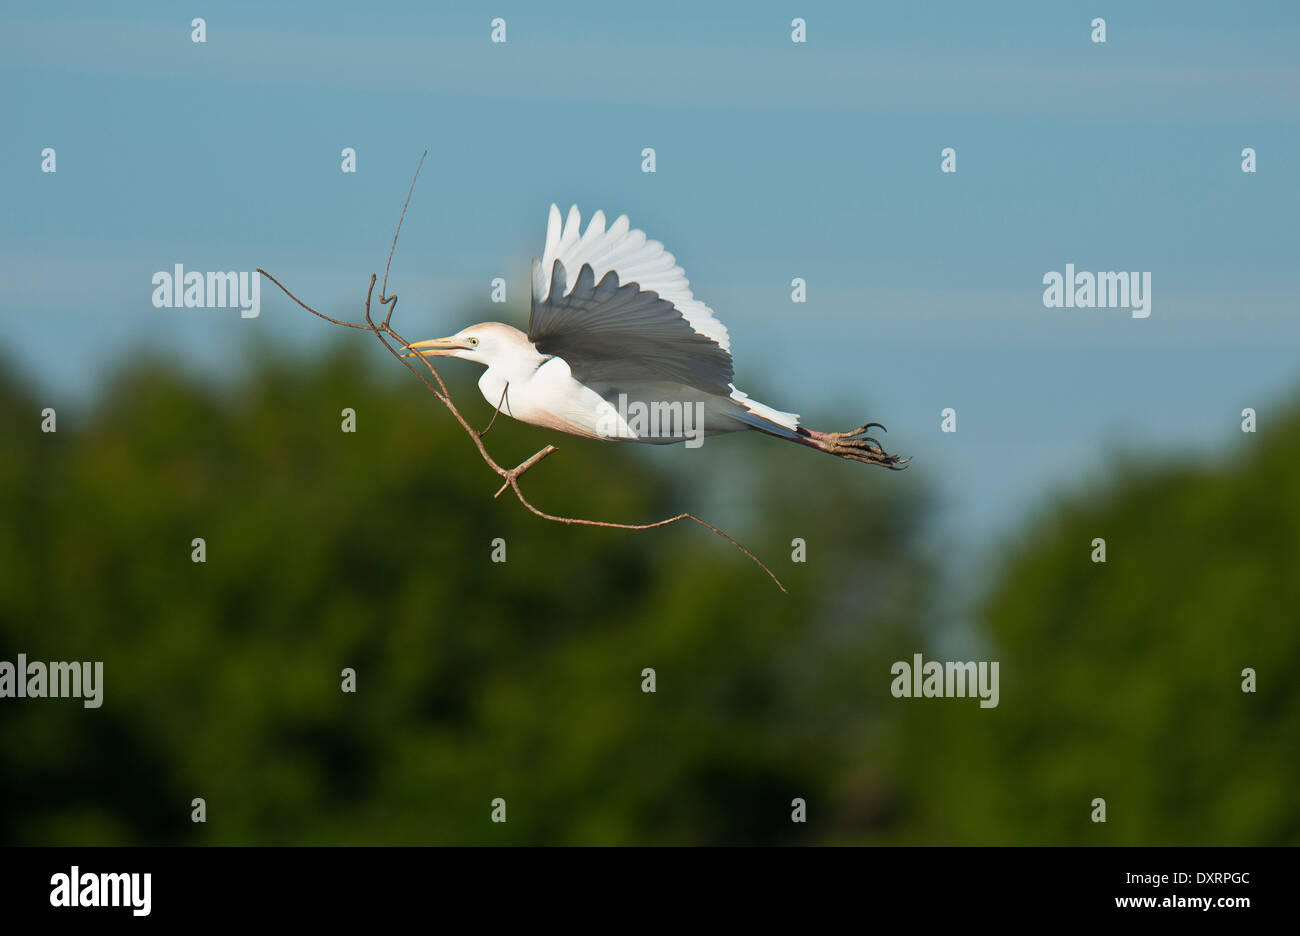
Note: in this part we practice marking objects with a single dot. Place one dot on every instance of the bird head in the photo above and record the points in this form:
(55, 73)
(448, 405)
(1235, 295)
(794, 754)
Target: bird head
(484, 343)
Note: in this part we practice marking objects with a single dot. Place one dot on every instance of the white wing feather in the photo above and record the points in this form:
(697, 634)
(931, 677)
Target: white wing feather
(633, 257)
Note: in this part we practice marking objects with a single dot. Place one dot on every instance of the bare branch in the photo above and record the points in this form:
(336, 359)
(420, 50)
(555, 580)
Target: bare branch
(512, 476)
(309, 308)
(383, 290)
(438, 387)
(497, 412)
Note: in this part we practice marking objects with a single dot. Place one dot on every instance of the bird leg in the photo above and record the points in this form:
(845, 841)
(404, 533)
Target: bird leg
(504, 391)
(854, 446)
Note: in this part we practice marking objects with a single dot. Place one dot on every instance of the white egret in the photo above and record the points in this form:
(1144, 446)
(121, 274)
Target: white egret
(619, 348)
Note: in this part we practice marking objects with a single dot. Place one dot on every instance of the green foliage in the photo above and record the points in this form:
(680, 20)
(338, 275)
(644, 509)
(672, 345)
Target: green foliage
(522, 680)
(475, 679)
(1123, 680)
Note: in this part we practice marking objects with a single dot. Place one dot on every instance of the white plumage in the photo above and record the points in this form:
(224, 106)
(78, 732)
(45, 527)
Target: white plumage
(618, 347)
(627, 252)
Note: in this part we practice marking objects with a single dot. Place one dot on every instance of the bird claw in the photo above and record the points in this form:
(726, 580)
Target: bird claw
(861, 429)
(855, 446)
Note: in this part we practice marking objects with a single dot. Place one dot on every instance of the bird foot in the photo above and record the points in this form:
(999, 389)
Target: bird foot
(856, 445)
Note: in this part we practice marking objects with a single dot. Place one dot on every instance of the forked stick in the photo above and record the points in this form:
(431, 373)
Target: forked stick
(384, 332)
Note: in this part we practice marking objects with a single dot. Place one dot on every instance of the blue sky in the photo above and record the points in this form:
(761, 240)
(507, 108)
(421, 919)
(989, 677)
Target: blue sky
(774, 160)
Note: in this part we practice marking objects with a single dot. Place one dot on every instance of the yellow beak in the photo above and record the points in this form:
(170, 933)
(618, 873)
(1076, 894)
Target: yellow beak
(434, 346)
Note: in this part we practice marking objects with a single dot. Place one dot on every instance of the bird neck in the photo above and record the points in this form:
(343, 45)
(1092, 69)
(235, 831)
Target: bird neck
(514, 368)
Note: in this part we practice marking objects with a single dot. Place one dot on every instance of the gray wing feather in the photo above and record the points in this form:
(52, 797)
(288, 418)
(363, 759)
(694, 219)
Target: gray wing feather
(608, 332)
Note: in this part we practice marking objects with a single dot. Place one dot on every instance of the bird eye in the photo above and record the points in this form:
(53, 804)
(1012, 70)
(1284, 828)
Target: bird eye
(473, 342)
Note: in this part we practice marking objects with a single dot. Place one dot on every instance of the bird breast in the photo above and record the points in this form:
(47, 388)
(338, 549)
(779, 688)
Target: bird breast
(546, 396)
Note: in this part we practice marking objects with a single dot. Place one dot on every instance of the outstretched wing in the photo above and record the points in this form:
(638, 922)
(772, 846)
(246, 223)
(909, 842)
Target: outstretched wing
(617, 307)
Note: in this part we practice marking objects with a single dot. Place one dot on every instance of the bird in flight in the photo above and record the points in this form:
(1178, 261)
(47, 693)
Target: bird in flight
(619, 348)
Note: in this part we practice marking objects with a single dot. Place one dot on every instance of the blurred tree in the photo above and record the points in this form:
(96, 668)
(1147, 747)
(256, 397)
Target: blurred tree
(1123, 680)
(372, 550)
(475, 680)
